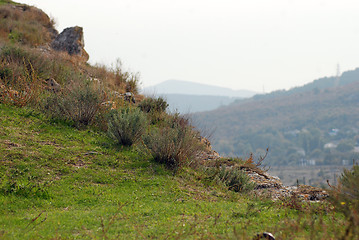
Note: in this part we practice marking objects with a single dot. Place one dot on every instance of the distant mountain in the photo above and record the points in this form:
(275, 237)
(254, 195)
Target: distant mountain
(196, 103)
(190, 97)
(314, 124)
(192, 88)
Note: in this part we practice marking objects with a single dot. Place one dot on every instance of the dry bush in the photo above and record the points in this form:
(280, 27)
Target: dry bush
(174, 143)
(78, 102)
(116, 78)
(46, 64)
(19, 91)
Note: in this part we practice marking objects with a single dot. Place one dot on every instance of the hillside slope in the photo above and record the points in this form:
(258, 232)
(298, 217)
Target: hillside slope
(82, 156)
(59, 182)
(295, 127)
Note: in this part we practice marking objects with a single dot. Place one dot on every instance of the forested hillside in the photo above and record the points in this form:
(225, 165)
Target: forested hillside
(319, 126)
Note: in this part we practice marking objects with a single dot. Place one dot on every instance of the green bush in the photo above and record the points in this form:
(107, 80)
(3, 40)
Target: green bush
(174, 144)
(126, 126)
(233, 178)
(345, 198)
(349, 183)
(153, 105)
(155, 108)
(78, 102)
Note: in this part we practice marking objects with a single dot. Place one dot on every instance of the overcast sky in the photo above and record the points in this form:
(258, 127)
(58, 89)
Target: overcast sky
(240, 44)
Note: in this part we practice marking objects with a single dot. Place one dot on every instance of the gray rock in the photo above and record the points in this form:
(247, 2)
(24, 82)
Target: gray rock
(71, 40)
(129, 97)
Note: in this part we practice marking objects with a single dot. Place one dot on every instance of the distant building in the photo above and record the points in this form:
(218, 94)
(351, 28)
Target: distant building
(330, 145)
(334, 132)
(307, 162)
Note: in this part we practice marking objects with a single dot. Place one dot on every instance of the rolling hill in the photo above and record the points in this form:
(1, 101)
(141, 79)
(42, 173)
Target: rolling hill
(192, 88)
(314, 124)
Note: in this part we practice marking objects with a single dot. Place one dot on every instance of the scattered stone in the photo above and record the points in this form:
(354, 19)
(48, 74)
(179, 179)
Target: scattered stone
(129, 97)
(71, 40)
(208, 154)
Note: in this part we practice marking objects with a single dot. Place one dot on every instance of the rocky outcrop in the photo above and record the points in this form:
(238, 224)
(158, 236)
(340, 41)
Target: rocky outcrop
(71, 40)
(272, 186)
(265, 184)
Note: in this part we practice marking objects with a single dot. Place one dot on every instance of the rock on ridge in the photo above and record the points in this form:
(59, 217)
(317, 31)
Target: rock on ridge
(71, 40)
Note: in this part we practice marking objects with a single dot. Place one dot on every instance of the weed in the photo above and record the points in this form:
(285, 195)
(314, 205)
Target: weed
(27, 189)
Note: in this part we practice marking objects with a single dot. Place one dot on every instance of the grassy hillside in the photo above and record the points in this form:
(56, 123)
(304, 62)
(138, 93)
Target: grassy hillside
(61, 183)
(83, 156)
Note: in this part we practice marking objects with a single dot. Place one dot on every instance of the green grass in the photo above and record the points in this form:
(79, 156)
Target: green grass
(58, 182)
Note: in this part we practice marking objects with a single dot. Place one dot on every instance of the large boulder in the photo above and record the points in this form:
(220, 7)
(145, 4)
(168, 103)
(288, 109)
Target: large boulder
(71, 40)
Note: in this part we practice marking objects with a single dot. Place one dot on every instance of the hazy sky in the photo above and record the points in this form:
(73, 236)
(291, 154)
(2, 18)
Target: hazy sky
(241, 44)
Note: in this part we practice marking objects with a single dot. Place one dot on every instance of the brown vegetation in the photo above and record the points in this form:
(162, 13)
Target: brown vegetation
(26, 25)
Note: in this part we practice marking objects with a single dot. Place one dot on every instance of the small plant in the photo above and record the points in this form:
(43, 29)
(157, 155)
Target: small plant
(174, 144)
(78, 102)
(232, 177)
(25, 189)
(126, 126)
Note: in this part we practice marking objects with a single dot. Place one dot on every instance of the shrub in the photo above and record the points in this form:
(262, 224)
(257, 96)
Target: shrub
(153, 105)
(232, 177)
(345, 198)
(154, 108)
(78, 102)
(126, 126)
(174, 144)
